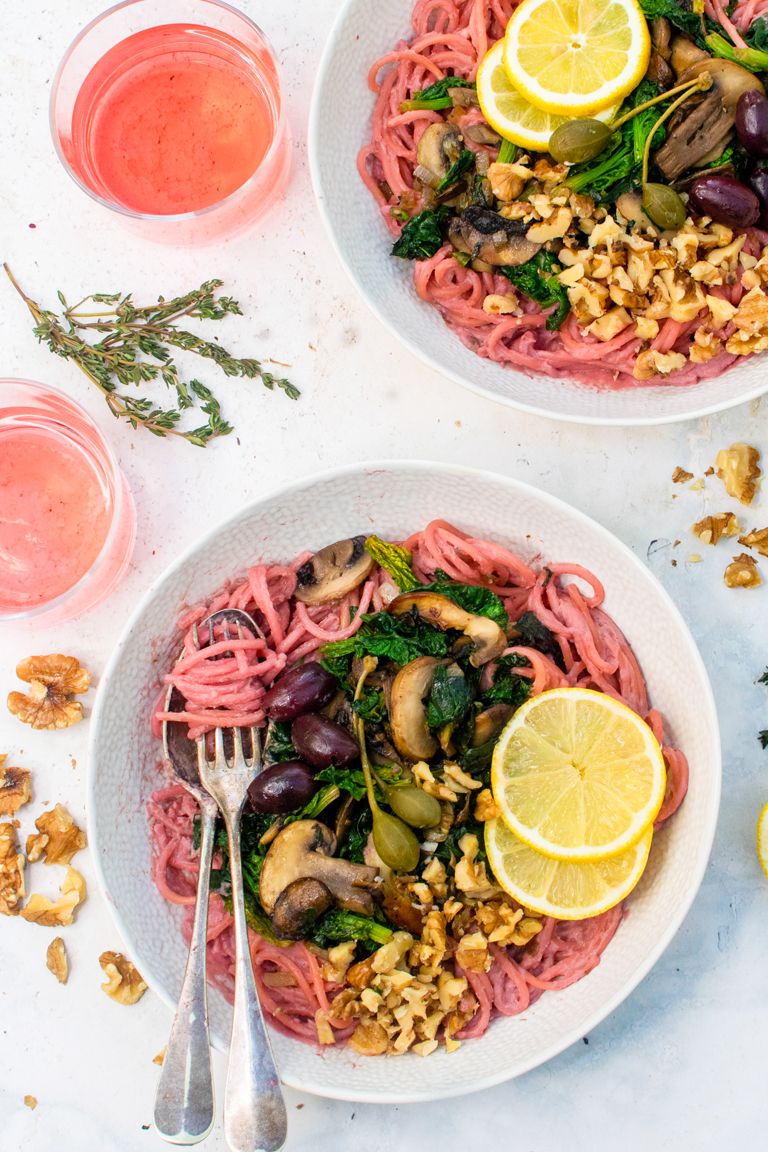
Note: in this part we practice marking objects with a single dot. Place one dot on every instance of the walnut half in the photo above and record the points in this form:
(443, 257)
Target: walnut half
(15, 788)
(11, 872)
(42, 911)
(742, 573)
(124, 983)
(738, 469)
(711, 528)
(757, 539)
(52, 682)
(59, 838)
(56, 960)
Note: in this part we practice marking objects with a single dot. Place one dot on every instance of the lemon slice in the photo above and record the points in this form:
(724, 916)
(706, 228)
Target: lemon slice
(762, 839)
(575, 57)
(577, 775)
(557, 888)
(510, 114)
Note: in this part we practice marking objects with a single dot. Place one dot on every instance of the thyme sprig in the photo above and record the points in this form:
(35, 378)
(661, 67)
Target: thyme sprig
(130, 332)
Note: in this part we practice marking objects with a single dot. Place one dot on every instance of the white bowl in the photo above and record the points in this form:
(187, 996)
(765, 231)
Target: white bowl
(339, 125)
(393, 499)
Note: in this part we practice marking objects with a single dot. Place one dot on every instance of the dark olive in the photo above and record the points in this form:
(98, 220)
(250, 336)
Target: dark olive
(322, 742)
(758, 182)
(304, 689)
(752, 122)
(578, 140)
(725, 200)
(282, 788)
(664, 206)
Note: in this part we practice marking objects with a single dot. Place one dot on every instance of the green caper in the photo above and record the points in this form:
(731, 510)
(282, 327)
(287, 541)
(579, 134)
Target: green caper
(578, 140)
(415, 807)
(395, 842)
(664, 206)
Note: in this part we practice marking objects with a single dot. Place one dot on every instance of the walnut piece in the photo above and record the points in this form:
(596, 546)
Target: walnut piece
(758, 539)
(742, 573)
(11, 872)
(711, 528)
(56, 960)
(738, 469)
(680, 476)
(52, 681)
(31, 1102)
(15, 788)
(124, 983)
(369, 1038)
(59, 838)
(160, 1058)
(486, 807)
(41, 910)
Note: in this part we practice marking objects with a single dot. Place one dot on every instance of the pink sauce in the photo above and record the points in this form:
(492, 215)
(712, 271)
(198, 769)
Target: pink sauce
(54, 517)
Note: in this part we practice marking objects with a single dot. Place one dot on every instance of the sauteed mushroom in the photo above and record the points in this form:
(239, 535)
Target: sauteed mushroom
(408, 713)
(304, 850)
(489, 723)
(488, 236)
(298, 907)
(439, 147)
(333, 571)
(488, 638)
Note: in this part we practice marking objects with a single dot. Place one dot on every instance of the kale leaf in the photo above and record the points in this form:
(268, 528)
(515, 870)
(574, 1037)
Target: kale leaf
(399, 638)
(397, 561)
(456, 171)
(536, 279)
(372, 705)
(349, 780)
(757, 36)
(477, 761)
(507, 688)
(479, 601)
(422, 235)
(450, 698)
(533, 634)
(763, 738)
(764, 678)
(338, 924)
(436, 96)
(357, 836)
(279, 746)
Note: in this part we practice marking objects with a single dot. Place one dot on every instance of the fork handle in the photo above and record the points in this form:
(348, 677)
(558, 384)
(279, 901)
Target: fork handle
(184, 1101)
(255, 1119)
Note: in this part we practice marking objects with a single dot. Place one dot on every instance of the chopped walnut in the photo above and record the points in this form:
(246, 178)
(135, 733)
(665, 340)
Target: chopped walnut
(41, 910)
(722, 311)
(56, 960)
(581, 206)
(58, 837)
(552, 229)
(423, 778)
(650, 363)
(424, 1048)
(434, 874)
(711, 528)
(738, 468)
(646, 329)
(15, 788)
(369, 1038)
(486, 807)
(611, 324)
(52, 681)
(758, 539)
(324, 1030)
(680, 476)
(508, 180)
(431, 949)
(339, 959)
(458, 779)
(11, 872)
(124, 983)
(469, 875)
(500, 305)
(743, 573)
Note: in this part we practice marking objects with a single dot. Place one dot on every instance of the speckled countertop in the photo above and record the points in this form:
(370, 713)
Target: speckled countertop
(681, 1064)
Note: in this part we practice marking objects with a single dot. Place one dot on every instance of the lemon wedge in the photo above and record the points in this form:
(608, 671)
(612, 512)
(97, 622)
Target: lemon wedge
(510, 114)
(762, 839)
(577, 775)
(556, 887)
(574, 57)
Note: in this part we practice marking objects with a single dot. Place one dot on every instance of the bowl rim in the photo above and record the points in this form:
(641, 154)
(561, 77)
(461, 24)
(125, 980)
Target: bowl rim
(315, 168)
(285, 491)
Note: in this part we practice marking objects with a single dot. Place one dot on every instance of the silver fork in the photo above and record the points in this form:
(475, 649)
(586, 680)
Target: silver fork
(255, 1118)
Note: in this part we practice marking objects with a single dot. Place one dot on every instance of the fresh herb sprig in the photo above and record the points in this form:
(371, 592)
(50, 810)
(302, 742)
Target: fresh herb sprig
(128, 332)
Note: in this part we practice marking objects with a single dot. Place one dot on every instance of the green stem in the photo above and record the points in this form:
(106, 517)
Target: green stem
(750, 58)
(701, 84)
(370, 663)
(688, 87)
(507, 152)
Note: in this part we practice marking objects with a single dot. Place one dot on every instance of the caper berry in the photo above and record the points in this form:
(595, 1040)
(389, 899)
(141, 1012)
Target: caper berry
(578, 140)
(664, 206)
(415, 807)
(394, 841)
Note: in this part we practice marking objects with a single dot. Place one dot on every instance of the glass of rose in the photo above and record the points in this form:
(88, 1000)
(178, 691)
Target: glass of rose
(171, 113)
(67, 521)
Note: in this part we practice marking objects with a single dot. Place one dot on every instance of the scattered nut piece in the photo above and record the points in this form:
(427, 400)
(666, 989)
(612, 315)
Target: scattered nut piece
(52, 681)
(324, 1030)
(680, 476)
(11, 872)
(15, 788)
(694, 558)
(160, 1058)
(124, 983)
(41, 910)
(369, 1038)
(31, 1102)
(425, 1048)
(486, 807)
(56, 960)
(711, 528)
(742, 573)
(738, 469)
(59, 838)
(500, 305)
(697, 485)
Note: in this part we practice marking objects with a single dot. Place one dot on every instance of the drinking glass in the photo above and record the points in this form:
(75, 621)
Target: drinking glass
(67, 520)
(219, 111)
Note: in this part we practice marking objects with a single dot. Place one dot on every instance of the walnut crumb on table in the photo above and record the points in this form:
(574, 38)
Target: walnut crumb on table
(742, 573)
(43, 911)
(31, 1102)
(124, 982)
(56, 960)
(738, 469)
(15, 788)
(757, 539)
(58, 838)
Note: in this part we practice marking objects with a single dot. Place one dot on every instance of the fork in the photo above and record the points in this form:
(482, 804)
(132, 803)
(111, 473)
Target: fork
(255, 1118)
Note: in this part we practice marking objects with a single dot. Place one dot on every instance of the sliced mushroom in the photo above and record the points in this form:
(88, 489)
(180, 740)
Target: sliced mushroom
(439, 147)
(658, 67)
(490, 237)
(304, 850)
(630, 204)
(684, 53)
(707, 124)
(333, 571)
(482, 134)
(488, 724)
(408, 712)
(488, 638)
(298, 907)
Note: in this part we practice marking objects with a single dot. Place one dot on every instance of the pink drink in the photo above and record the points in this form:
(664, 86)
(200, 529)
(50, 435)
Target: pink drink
(177, 125)
(66, 516)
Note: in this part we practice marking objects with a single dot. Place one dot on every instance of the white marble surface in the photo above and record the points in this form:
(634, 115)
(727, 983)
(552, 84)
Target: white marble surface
(681, 1064)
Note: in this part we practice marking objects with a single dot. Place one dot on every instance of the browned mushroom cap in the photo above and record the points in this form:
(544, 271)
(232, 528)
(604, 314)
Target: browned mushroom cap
(683, 53)
(488, 638)
(488, 724)
(408, 713)
(488, 236)
(305, 849)
(333, 571)
(439, 147)
(708, 119)
(658, 66)
(298, 907)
